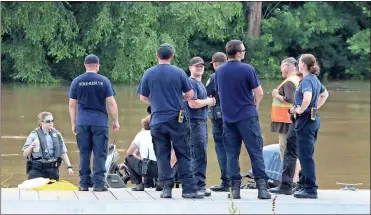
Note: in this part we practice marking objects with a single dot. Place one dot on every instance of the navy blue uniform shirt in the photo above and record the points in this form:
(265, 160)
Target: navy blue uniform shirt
(235, 82)
(309, 83)
(164, 84)
(199, 93)
(91, 90)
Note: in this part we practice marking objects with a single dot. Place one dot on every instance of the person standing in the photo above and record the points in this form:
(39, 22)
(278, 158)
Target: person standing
(162, 86)
(215, 115)
(197, 108)
(236, 83)
(45, 150)
(92, 94)
(310, 96)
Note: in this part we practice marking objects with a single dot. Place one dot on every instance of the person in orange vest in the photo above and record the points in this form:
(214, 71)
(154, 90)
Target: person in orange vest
(283, 98)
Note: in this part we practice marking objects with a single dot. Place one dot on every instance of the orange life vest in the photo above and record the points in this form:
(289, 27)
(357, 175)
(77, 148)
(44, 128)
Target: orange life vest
(279, 112)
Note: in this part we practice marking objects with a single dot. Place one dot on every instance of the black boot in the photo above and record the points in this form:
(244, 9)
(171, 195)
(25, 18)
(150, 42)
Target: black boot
(159, 186)
(220, 188)
(235, 186)
(263, 193)
(196, 195)
(283, 188)
(168, 186)
(139, 187)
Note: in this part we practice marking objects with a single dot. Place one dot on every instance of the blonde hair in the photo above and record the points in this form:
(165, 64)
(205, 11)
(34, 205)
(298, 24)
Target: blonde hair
(43, 115)
(145, 122)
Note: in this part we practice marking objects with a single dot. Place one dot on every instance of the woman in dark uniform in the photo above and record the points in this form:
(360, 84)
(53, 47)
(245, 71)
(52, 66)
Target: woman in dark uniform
(310, 96)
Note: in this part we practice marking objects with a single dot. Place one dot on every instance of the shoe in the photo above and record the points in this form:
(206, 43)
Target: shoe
(139, 187)
(281, 189)
(263, 193)
(220, 188)
(197, 195)
(235, 190)
(302, 194)
(167, 189)
(205, 191)
(100, 189)
(159, 186)
(297, 187)
(83, 189)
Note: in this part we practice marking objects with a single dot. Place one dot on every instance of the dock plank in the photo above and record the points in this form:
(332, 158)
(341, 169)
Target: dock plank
(67, 195)
(122, 194)
(105, 196)
(48, 195)
(28, 195)
(140, 195)
(155, 194)
(85, 195)
(10, 194)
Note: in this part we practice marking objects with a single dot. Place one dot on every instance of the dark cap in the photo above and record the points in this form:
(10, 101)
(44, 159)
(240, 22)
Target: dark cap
(165, 51)
(219, 57)
(291, 61)
(196, 61)
(91, 59)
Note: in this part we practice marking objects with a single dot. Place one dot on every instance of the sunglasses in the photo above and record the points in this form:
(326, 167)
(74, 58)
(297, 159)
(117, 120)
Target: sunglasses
(49, 121)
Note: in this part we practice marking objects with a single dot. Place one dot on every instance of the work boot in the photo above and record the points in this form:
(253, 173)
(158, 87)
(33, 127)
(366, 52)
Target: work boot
(220, 188)
(302, 194)
(83, 189)
(235, 186)
(100, 189)
(282, 189)
(298, 186)
(205, 191)
(139, 187)
(263, 193)
(168, 186)
(197, 195)
(159, 186)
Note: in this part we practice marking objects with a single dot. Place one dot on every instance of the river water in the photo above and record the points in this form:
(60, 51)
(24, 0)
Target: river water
(342, 151)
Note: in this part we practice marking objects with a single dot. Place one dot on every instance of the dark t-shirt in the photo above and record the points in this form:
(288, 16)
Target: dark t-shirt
(309, 83)
(235, 82)
(164, 84)
(91, 90)
(199, 93)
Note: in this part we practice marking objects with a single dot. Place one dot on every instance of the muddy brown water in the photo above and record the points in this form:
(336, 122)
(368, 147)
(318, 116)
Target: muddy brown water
(342, 151)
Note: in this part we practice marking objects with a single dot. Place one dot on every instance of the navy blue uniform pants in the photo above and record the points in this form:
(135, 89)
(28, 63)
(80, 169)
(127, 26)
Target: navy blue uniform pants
(178, 134)
(221, 154)
(94, 139)
(306, 136)
(198, 144)
(51, 173)
(250, 132)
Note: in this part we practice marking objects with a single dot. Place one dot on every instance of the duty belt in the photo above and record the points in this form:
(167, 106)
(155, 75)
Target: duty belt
(54, 164)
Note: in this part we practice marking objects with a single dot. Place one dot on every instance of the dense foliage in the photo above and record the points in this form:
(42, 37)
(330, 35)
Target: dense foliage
(47, 41)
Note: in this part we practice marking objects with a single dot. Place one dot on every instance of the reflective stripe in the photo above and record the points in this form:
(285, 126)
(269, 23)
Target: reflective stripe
(279, 112)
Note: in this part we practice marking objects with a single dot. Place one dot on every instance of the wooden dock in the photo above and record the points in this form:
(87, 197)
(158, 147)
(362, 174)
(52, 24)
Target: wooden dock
(125, 201)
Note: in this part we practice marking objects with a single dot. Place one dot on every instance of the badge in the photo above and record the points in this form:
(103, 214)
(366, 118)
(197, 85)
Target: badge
(54, 135)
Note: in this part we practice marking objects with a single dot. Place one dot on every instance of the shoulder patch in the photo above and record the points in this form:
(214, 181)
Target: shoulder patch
(208, 82)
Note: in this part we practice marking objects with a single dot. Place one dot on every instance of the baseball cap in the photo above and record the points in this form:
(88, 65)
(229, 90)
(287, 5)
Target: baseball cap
(91, 59)
(196, 61)
(219, 57)
(165, 51)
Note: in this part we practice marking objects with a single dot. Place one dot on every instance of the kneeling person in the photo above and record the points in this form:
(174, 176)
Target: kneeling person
(146, 164)
(45, 149)
(198, 111)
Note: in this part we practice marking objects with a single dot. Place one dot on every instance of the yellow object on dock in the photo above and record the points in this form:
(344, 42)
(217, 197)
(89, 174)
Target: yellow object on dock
(54, 185)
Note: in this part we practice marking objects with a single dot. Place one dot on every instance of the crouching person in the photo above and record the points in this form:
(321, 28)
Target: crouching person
(146, 164)
(45, 149)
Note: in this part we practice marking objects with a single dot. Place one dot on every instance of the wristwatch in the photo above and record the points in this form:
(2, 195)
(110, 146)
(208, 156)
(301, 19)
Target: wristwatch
(69, 167)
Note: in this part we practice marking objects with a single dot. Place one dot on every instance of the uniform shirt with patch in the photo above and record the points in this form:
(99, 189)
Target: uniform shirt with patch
(164, 84)
(199, 93)
(235, 82)
(211, 88)
(309, 83)
(49, 142)
(91, 90)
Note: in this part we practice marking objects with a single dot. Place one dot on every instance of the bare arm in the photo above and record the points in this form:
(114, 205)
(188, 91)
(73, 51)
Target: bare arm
(112, 108)
(144, 99)
(27, 152)
(188, 95)
(72, 105)
(258, 94)
(66, 159)
(307, 97)
(199, 103)
(322, 98)
(173, 159)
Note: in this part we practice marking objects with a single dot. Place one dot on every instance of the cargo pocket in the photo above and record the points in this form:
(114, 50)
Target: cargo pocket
(254, 125)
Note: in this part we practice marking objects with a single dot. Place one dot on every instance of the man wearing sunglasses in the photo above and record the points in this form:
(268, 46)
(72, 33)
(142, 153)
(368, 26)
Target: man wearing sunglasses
(93, 93)
(236, 82)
